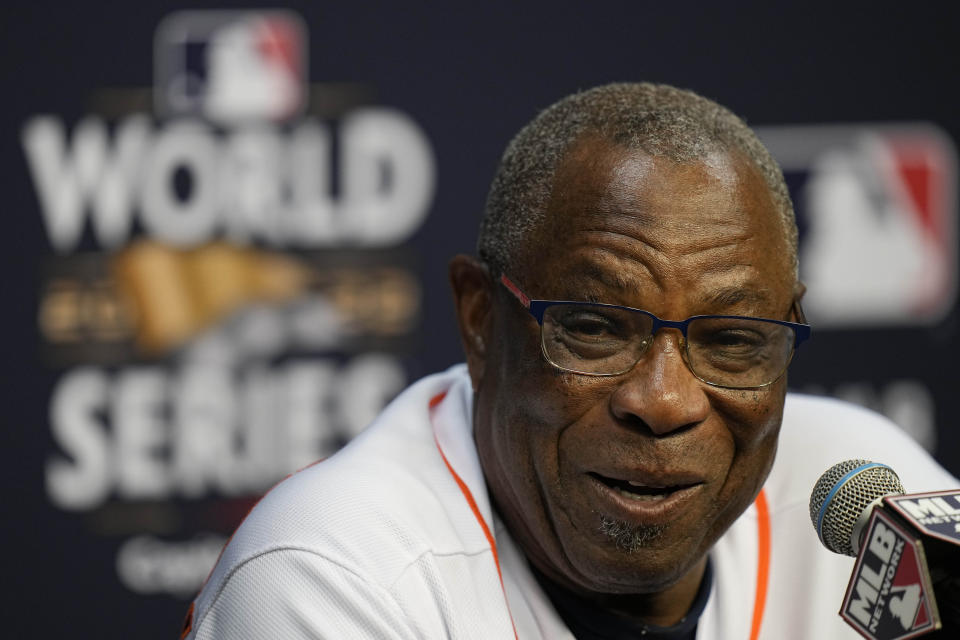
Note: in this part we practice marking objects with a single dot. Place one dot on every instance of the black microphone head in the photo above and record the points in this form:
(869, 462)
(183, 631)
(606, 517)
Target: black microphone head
(841, 496)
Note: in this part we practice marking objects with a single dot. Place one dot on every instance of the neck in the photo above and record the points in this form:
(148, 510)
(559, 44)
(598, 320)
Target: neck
(669, 615)
(661, 609)
(664, 608)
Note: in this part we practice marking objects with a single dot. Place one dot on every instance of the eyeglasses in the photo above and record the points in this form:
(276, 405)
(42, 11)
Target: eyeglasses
(595, 339)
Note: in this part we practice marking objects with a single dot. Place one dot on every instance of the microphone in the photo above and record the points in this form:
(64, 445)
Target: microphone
(843, 499)
(906, 580)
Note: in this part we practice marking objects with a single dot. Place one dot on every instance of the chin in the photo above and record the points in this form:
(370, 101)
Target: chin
(624, 559)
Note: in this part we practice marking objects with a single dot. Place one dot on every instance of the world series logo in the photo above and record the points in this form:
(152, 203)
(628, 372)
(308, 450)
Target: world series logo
(230, 291)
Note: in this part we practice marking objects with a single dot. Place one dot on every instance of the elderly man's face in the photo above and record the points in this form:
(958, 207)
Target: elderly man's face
(562, 451)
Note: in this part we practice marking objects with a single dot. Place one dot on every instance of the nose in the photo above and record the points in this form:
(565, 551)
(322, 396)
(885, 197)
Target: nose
(660, 391)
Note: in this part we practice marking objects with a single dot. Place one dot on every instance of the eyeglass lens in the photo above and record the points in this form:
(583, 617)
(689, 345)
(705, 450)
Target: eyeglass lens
(730, 352)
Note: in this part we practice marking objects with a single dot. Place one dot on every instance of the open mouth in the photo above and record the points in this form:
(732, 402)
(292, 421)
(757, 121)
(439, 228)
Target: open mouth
(639, 491)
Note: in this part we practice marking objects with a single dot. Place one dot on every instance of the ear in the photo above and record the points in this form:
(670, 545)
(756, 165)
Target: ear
(798, 291)
(473, 297)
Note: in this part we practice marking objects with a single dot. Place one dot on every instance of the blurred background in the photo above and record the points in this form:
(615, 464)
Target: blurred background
(228, 230)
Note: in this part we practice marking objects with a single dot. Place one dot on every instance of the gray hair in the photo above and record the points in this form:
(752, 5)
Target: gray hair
(629, 537)
(659, 119)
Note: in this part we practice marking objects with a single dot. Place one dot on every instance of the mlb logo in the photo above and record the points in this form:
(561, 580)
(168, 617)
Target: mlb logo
(890, 595)
(877, 211)
(231, 66)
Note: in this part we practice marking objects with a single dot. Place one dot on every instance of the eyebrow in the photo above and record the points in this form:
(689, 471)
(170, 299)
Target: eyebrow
(610, 279)
(730, 296)
(724, 297)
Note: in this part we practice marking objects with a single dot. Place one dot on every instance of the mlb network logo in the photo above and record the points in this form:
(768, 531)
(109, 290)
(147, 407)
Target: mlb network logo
(889, 596)
(877, 211)
(231, 66)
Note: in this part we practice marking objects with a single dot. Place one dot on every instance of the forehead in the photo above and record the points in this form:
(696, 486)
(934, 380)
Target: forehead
(618, 214)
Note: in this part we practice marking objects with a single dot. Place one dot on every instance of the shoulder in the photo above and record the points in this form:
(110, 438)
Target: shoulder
(818, 432)
(297, 594)
(364, 517)
(806, 582)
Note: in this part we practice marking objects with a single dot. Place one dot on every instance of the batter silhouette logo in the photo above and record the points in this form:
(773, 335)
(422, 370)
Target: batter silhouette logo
(877, 210)
(231, 66)
(888, 597)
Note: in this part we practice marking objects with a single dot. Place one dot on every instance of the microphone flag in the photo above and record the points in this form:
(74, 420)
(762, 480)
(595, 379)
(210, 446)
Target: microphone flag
(907, 555)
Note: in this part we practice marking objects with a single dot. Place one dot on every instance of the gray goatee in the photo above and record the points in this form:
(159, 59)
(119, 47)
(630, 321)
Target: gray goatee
(630, 538)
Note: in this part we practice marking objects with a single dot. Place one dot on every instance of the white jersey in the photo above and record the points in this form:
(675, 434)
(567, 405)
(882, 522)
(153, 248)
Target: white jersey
(394, 537)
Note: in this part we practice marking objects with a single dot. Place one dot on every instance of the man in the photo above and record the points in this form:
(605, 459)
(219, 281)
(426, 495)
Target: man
(602, 466)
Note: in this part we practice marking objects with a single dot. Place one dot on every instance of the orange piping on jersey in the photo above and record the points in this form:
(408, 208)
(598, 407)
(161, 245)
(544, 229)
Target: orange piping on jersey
(435, 400)
(763, 563)
(465, 490)
(187, 623)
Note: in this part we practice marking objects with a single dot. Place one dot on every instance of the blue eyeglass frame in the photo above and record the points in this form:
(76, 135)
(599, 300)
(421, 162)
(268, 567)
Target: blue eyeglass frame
(801, 331)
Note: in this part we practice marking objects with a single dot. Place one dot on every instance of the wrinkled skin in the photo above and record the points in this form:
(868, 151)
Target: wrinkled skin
(677, 240)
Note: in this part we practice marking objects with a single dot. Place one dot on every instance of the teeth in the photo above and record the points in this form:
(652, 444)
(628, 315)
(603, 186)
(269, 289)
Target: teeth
(633, 483)
(635, 496)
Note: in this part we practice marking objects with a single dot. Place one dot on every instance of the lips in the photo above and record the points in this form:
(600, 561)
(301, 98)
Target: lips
(647, 498)
(637, 490)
